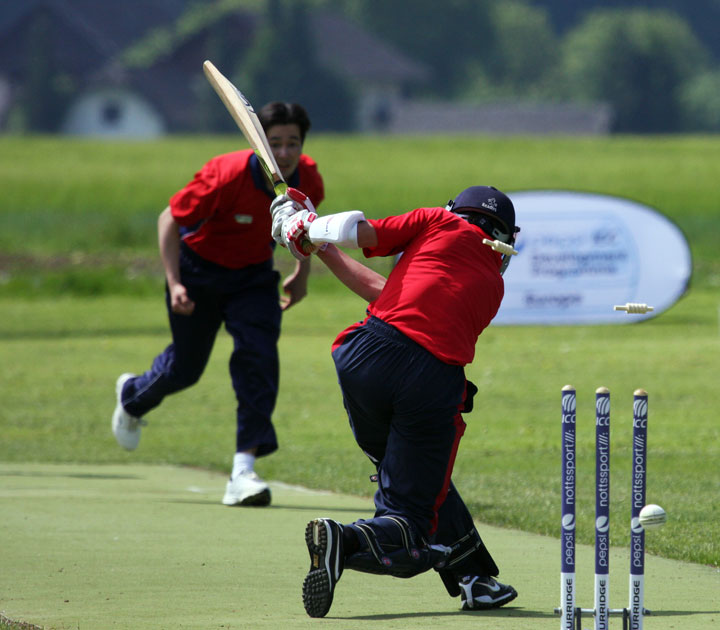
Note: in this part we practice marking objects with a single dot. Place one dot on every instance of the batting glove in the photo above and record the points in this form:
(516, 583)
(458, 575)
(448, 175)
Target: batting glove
(301, 198)
(282, 208)
(295, 235)
(285, 206)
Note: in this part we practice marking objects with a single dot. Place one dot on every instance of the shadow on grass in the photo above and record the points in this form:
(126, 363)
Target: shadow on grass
(40, 335)
(14, 473)
(274, 506)
(496, 612)
(681, 613)
(519, 613)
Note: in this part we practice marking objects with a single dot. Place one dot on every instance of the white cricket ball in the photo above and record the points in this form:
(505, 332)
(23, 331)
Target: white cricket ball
(652, 516)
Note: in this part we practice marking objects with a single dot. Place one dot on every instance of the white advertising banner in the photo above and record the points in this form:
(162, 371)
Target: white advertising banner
(580, 254)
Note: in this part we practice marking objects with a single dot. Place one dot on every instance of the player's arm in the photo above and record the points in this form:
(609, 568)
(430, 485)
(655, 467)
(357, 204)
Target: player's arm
(366, 235)
(295, 286)
(349, 229)
(352, 273)
(169, 244)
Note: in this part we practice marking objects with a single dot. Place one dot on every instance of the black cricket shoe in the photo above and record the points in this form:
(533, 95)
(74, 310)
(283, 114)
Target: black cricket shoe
(480, 592)
(324, 540)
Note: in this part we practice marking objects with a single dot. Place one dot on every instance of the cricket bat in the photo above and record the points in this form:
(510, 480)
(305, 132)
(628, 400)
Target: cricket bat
(244, 115)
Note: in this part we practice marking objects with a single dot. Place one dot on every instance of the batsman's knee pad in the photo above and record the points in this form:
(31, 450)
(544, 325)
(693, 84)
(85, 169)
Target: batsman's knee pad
(468, 556)
(403, 558)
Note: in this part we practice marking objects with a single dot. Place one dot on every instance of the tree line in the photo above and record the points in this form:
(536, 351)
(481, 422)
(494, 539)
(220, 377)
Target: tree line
(645, 59)
(648, 60)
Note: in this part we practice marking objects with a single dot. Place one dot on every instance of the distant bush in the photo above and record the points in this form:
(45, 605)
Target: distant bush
(700, 102)
(636, 60)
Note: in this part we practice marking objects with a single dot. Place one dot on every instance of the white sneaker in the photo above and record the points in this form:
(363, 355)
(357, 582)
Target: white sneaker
(247, 489)
(125, 428)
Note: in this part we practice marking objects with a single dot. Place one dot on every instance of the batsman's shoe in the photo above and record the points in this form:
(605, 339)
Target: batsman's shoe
(125, 428)
(323, 537)
(483, 592)
(247, 489)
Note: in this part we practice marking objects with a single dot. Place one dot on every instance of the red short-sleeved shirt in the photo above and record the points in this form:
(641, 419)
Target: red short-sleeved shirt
(445, 288)
(224, 211)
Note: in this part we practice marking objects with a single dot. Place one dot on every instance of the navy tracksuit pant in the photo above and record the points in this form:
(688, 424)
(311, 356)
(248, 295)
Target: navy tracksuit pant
(404, 409)
(247, 301)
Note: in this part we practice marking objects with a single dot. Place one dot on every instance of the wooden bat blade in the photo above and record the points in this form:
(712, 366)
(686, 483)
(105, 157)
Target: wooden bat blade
(246, 119)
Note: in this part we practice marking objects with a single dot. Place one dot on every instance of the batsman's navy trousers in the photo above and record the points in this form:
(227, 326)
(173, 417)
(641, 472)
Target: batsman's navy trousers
(247, 301)
(403, 405)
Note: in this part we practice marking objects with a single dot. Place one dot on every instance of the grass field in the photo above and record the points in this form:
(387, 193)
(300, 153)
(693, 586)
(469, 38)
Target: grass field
(83, 201)
(80, 301)
(149, 547)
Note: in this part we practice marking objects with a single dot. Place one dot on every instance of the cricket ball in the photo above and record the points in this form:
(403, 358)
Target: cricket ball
(652, 516)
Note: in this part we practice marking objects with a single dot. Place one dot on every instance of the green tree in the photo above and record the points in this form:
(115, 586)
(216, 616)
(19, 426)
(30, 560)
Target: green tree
(282, 65)
(523, 62)
(703, 16)
(700, 102)
(451, 40)
(635, 60)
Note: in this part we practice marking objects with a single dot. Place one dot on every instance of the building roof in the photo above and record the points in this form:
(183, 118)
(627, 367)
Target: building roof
(156, 47)
(354, 52)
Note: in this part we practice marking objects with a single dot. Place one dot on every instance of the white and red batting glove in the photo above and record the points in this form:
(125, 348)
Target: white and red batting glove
(295, 234)
(285, 206)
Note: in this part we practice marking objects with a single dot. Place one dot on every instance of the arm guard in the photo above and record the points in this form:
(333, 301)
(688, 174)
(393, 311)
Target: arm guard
(340, 229)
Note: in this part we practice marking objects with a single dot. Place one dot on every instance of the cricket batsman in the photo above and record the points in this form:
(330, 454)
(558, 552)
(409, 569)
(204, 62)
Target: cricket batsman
(401, 372)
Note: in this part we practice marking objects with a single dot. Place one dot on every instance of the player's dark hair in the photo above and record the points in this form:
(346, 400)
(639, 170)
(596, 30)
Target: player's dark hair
(279, 113)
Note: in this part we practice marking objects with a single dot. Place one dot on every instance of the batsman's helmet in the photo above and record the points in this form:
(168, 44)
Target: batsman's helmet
(488, 208)
(491, 210)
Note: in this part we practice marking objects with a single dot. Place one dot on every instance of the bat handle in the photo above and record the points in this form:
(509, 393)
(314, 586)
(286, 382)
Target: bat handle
(279, 187)
(308, 247)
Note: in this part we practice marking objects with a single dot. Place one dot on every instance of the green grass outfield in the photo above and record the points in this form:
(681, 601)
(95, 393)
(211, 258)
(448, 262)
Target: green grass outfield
(80, 303)
(87, 197)
(133, 547)
(60, 359)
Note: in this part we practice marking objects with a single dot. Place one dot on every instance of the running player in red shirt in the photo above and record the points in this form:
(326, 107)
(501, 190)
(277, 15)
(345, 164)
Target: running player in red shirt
(218, 258)
(401, 371)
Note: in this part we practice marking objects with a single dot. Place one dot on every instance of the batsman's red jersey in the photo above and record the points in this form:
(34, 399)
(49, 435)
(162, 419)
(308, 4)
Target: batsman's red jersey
(445, 288)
